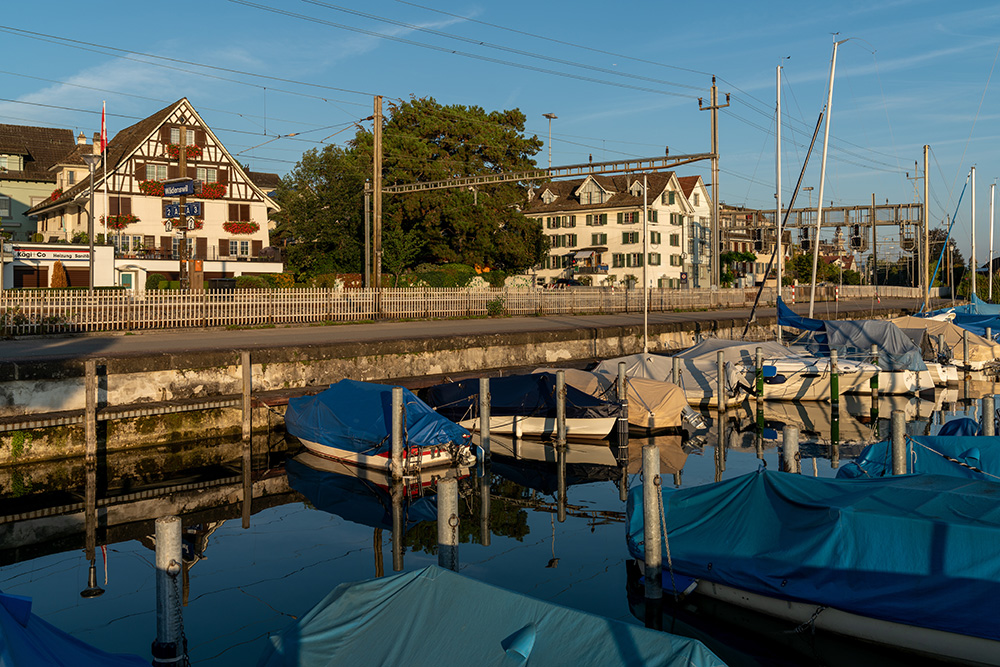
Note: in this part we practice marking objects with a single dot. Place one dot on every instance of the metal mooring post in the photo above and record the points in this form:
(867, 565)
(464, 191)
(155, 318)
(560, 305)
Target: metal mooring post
(652, 499)
(988, 423)
(675, 371)
(790, 449)
(447, 522)
(561, 407)
(484, 506)
(167, 649)
(898, 432)
(397, 432)
(834, 381)
(397, 525)
(720, 362)
(247, 373)
(484, 417)
(621, 390)
(759, 368)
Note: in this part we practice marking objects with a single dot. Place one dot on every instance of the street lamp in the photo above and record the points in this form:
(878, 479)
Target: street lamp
(92, 161)
(551, 117)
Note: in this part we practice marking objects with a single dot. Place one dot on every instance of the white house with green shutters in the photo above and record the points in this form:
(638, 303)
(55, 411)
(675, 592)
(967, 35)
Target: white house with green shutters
(594, 227)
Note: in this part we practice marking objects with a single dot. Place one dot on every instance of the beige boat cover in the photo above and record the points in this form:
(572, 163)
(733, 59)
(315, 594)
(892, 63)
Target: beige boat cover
(663, 401)
(980, 349)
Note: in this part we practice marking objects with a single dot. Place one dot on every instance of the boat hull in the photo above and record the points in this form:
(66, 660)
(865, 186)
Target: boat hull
(422, 458)
(519, 426)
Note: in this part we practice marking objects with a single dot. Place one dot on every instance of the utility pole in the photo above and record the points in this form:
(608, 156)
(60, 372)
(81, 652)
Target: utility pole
(368, 233)
(377, 188)
(182, 219)
(551, 117)
(927, 235)
(715, 257)
(874, 245)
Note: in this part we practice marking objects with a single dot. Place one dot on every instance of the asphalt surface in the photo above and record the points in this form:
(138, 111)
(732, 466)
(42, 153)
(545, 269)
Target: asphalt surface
(37, 348)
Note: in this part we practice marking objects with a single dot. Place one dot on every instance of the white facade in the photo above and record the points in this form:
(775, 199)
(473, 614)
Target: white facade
(595, 230)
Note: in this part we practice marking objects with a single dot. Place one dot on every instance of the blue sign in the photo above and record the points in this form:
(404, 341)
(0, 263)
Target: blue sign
(178, 188)
(191, 209)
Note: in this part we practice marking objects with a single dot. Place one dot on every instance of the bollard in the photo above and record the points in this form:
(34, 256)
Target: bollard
(989, 426)
(397, 432)
(484, 417)
(397, 493)
(484, 506)
(790, 449)
(561, 450)
(621, 389)
(561, 407)
(652, 500)
(447, 522)
(167, 647)
(720, 362)
(989, 333)
(898, 432)
(759, 360)
(834, 381)
(675, 371)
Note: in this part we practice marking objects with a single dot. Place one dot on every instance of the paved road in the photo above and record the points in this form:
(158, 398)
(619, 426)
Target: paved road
(196, 340)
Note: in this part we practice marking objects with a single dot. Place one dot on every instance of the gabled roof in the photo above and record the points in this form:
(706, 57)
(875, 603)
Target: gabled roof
(688, 184)
(567, 197)
(41, 147)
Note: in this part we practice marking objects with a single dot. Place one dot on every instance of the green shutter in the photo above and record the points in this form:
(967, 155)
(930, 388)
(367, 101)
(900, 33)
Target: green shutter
(620, 216)
(671, 197)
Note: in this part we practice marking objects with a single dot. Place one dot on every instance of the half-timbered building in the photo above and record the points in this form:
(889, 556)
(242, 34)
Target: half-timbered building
(227, 233)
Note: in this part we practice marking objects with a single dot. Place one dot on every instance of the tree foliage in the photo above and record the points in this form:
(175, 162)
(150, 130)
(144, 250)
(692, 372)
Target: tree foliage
(322, 199)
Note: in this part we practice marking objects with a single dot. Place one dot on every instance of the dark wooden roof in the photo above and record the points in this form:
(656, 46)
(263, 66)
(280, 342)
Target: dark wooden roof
(41, 147)
(264, 180)
(619, 185)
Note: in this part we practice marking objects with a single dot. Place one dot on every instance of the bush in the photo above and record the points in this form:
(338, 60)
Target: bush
(495, 308)
(278, 280)
(444, 275)
(37, 238)
(81, 237)
(153, 280)
(250, 282)
(169, 284)
(59, 277)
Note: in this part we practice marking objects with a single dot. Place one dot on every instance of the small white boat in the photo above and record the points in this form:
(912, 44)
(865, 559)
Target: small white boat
(698, 379)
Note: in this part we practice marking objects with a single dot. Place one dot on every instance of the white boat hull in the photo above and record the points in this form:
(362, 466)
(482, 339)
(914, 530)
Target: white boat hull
(422, 458)
(929, 642)
(519, 426)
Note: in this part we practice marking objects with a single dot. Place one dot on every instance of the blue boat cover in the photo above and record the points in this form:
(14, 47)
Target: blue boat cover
(960, 426)
(981, 307)
(972, 457)
(531, 395)
(434, 616)
(28, 641)
(357, 416)
(977, 324)
(853, 339)
(911, 548)
(355, 499)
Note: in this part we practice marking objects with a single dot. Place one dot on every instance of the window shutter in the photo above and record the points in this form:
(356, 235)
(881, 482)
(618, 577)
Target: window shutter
(255, 248)
(165, 134)
(201, 247)
(244, 211)
(166, 245)
(604, 218)
(223, 247)
(671, 197)
(199, 137)
(126, 205)
(173, 171)
(192, 172)
(620, 217)
(140, 171)
(234, 212)
(114, 205)
(223, 177)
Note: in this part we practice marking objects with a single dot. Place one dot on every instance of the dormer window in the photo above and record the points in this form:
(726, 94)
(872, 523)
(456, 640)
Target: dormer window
(548, 197)
(696, 199)
(11, 163)
(70, 178)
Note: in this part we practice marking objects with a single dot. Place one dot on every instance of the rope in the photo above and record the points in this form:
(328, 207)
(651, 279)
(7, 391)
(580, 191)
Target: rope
(811, 623)
(666, 540)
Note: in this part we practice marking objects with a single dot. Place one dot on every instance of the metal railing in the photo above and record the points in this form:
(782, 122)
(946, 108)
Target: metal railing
(29, 311)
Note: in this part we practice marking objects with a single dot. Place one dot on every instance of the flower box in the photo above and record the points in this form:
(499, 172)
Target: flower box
(56, 194)
(212, 191)
(240, 226)
(191, 151)
(119, 221)
(151, 188)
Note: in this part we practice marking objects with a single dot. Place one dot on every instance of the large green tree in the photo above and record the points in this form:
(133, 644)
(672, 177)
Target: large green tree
(423, 140)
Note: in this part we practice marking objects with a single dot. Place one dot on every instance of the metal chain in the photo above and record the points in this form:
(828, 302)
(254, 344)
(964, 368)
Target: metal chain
(666, 539)
(811, 623)
(184, 660)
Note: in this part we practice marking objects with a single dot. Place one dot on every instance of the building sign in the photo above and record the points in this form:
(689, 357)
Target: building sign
(178, 188)
(174, 210)
(24, 252)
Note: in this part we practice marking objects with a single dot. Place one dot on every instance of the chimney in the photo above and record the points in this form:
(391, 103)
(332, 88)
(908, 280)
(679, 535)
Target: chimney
(97, 143)
(81, 140)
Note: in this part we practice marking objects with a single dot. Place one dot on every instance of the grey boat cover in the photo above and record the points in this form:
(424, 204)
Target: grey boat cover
(734, 351)
(698, 376)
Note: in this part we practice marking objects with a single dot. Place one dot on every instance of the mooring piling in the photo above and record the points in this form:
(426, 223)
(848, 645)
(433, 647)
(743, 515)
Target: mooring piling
(247, 431)
(988, 416)
(759, 372)
(621, 388)
(675, 371)
(397, 432)
(898, 434)
(834, 381)
(561, 407)
(484, 417)
(484, 506)
(561, 451)
(397, 493)
(168, 649)
(720, 363)
(652, 500)
(447, 522)
(790, 449)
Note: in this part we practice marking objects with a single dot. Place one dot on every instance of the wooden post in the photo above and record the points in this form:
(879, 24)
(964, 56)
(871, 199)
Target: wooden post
(247, 373)
(790, 449)
(898, 434)
(447, 522)
(561, 407)
(652, 494)
(988, 423)
(167, 647)
(397, 432)
(484, 417)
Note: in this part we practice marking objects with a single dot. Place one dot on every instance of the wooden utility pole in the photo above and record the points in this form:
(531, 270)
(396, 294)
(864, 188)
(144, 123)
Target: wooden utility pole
(715, 256)
(182, 218)
(368, 233)
(377, 188)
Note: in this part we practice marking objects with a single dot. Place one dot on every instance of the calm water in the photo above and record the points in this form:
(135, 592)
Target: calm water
(244, 584)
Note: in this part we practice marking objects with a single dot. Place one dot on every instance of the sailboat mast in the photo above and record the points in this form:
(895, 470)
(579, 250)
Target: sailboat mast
(974, 267)
(989, 264)
(822, 178)
(777, 180)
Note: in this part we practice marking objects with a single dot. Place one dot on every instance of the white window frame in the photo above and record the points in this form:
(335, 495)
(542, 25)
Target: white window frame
(156, 172)
(207, 174)
(6, 207)
(175, 136)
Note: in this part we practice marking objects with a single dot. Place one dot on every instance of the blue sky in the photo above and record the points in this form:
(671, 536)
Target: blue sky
(623, 80)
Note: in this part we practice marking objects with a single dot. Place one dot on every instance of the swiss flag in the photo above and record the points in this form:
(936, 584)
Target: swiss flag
(104, 128)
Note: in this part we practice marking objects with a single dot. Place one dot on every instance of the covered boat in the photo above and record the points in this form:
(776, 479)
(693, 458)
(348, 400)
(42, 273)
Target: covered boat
(946, 339)
(970, 456)
(352, 421)
(27, 641)
(653, 406)
(699, 379)
(525, 405)
(897, 560)
(435, 616)
(535, 464)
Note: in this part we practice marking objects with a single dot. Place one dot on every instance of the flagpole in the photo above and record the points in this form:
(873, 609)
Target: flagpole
(104, 156)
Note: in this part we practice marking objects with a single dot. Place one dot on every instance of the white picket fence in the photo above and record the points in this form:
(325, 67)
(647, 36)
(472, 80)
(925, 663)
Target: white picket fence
(26, 311)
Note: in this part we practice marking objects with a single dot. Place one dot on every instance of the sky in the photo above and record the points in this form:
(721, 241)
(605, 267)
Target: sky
(623, 80)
